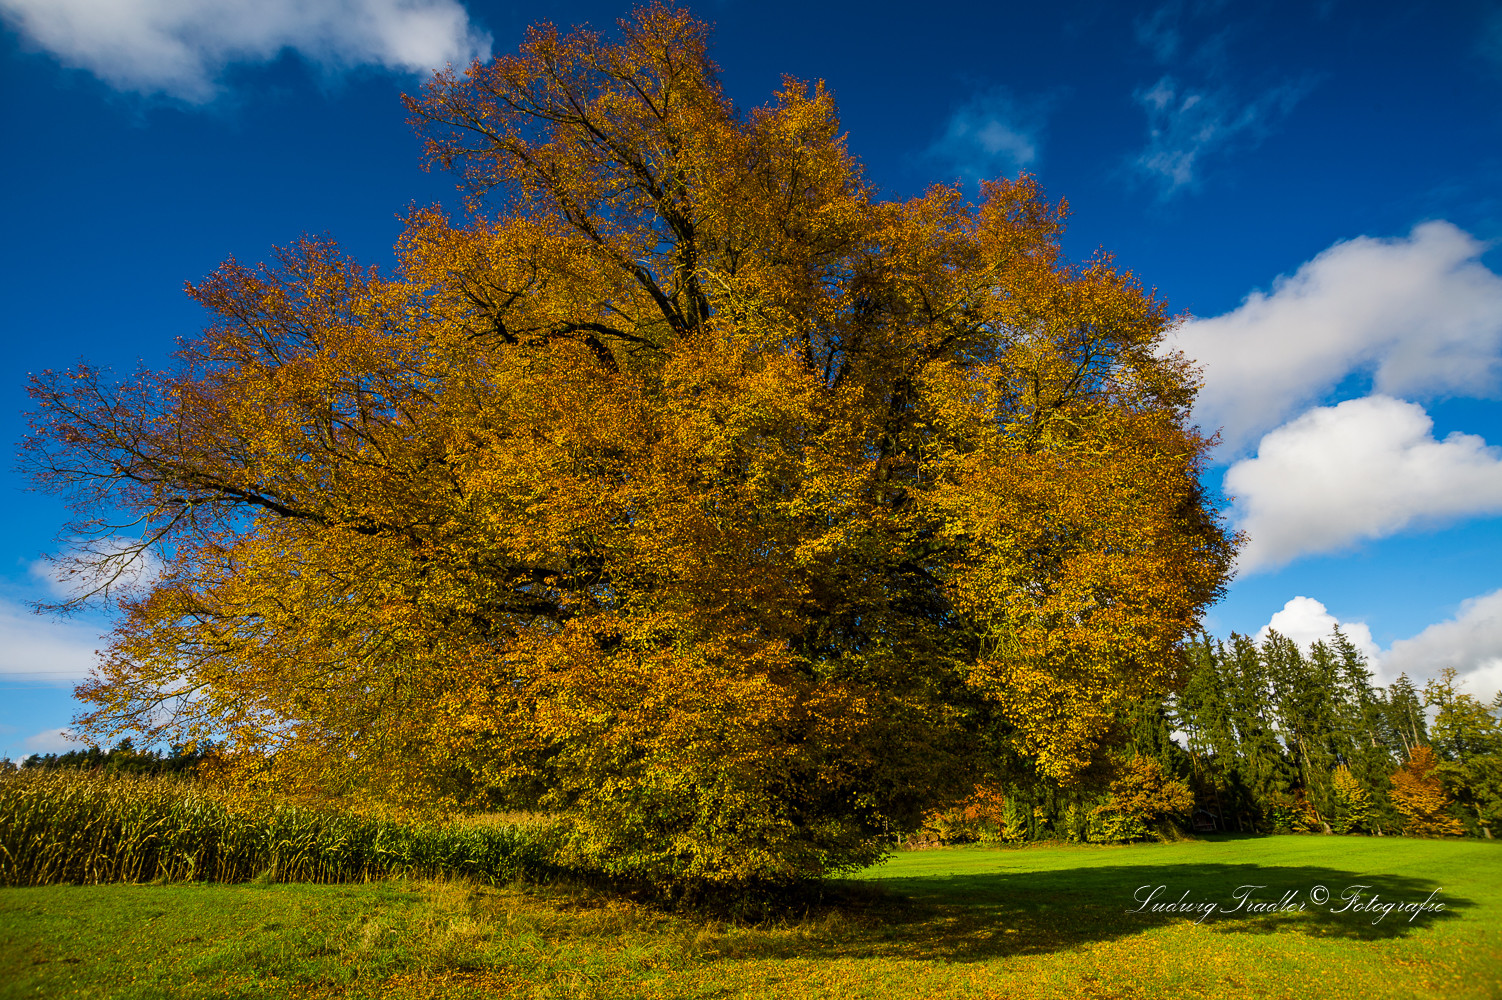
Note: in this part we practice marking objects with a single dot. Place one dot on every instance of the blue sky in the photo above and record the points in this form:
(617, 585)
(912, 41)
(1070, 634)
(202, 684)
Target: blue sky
(1317, 186)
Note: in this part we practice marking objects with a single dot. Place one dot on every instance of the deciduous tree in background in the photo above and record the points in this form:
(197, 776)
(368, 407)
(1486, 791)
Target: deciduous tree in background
(1468, 737)
(1352, 802)
(1419, 795)
(1144, 799)
(689, 490)
(1463, 728)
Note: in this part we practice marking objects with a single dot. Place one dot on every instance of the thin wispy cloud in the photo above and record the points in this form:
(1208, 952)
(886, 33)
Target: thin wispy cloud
(37, 648)
(993, 135)
(52, 741)
(1188, 124)
(103, 568)
(1158, 32)
(1195, 111)
(180, 48)
(1489, 38)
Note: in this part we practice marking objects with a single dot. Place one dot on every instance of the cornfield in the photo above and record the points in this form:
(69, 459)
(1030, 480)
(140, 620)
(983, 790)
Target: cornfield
(77, 827)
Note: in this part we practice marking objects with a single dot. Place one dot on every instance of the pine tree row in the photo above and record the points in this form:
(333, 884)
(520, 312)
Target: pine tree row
(1279, 740)
(1266, 738)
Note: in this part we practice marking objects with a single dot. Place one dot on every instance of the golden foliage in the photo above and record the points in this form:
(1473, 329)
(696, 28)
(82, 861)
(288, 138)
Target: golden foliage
(1144, 790)
(1145, 801)
(983, 816)
(1418, 794)
(1352, 802)
(695, 493)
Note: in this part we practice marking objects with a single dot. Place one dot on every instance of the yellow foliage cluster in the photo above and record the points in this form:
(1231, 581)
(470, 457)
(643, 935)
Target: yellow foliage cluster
(1144, 790)
(1352, 802)
(688, 490)
(1420, 796)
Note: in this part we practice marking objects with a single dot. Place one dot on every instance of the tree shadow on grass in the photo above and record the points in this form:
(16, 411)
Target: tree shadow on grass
(977, 917)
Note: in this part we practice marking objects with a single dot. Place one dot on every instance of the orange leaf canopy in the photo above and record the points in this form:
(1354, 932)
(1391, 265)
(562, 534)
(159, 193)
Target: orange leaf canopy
(690, 490)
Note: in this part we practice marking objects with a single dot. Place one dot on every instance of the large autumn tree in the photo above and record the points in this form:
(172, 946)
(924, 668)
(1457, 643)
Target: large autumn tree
(687, 490)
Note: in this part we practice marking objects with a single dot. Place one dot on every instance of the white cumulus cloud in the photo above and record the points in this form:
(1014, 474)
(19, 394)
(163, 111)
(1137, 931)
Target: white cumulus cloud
(1422, 314)
(179, 47)
(1364, 469)
(1307, 621)
(1470, 643)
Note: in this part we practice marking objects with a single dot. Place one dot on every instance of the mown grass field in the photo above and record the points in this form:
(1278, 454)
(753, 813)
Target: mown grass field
(969, 922)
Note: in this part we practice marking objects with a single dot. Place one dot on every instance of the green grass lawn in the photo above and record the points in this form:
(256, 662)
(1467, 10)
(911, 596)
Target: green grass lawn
(971, 922)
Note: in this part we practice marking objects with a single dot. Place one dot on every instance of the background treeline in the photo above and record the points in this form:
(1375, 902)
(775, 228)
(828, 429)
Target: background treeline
(1266, 738)
(123, 758)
